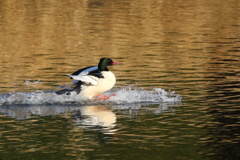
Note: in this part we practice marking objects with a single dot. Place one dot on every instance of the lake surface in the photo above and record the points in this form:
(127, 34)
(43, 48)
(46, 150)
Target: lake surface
(177, 92)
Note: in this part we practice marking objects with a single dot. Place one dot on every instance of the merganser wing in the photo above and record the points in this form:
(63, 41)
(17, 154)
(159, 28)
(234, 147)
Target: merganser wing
(88, 75)
(87, 79)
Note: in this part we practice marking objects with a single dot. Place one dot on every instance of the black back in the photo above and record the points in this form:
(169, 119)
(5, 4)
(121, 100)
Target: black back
(80, 70)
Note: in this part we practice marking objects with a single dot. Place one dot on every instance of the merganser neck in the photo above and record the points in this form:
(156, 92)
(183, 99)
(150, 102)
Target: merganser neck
(102, 67)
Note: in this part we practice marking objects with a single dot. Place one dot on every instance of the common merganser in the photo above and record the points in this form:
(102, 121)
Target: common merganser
(92, 81)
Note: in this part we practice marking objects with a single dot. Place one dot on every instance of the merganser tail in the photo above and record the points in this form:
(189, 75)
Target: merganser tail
(76, 89)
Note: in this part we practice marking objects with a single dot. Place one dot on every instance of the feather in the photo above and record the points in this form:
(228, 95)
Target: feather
(86, 70)
(87, 79)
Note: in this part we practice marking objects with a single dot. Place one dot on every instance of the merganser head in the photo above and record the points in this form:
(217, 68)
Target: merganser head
(104, 62)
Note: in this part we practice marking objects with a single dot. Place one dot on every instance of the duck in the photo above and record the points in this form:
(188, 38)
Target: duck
(90, 82)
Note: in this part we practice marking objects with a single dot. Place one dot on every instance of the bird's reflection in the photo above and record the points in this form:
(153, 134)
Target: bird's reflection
(99, 117)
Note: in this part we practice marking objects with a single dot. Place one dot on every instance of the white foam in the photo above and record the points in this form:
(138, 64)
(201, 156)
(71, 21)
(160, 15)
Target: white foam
(129, 95)
(140, 95)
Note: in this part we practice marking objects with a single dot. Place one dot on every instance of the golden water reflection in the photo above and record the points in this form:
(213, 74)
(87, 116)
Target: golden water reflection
(44, 40)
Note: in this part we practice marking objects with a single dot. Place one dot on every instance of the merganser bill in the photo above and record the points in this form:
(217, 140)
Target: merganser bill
(92, 81)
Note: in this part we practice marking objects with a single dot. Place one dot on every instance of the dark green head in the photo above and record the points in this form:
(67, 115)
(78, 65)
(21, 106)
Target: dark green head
(104, 62)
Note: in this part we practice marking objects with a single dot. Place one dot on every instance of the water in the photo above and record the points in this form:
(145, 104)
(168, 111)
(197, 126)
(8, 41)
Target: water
(177, 92)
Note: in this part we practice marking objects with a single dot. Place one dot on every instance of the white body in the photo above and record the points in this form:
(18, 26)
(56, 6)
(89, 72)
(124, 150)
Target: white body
(99, 85)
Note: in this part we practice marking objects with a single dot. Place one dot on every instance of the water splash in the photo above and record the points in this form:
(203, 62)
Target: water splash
(129, 95)
(28, 82)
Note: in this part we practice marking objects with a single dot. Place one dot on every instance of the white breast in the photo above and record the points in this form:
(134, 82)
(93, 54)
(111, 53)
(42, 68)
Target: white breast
(104, 84)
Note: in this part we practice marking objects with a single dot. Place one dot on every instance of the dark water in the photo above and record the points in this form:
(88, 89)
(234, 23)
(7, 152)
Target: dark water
(189, 47)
